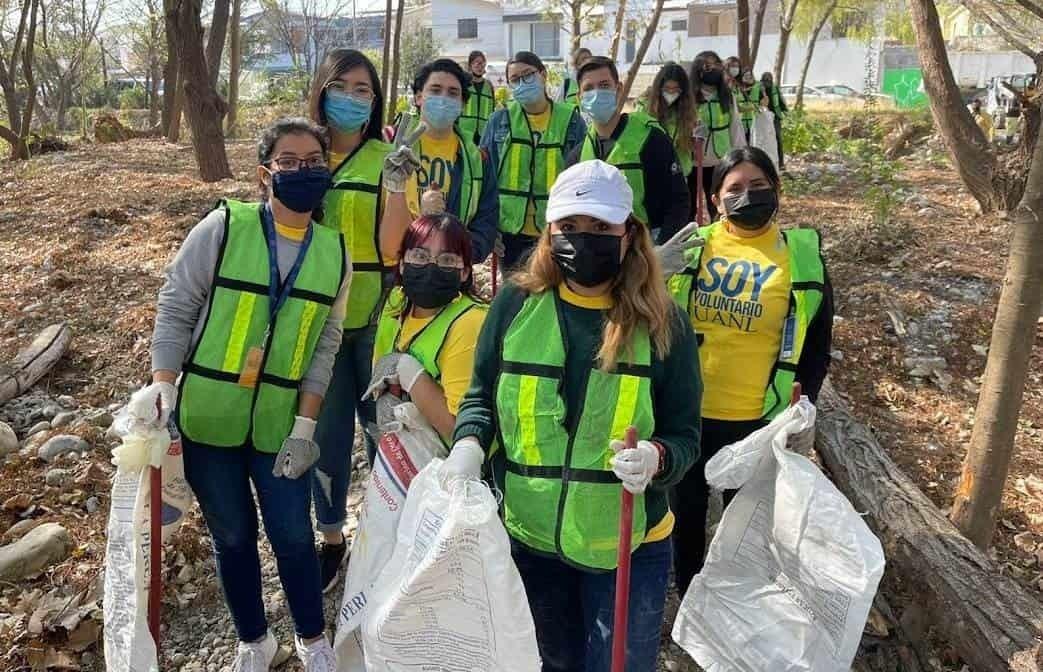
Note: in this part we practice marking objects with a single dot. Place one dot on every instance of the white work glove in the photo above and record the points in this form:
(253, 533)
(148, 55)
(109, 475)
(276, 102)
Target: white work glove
(676, 253)
(635, 466)
(432, 202)
(150, 407)
(400, 164)
(700, 131)
(299, 452)
(498, 247)
(397, 368)
(464, 462)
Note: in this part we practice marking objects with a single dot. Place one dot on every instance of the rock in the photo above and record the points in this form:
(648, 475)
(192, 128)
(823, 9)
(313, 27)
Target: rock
(178, 659)
(103, 419)
(60, 445)
(38, 427)
(1025, 542)
(8, 440)
(982, 350)
(19, 502)
(41, 548)
(92, 504)
(51, 410)
(184, 576)
(56, 477)
(62, 419)
(68, 401)
(924, 367)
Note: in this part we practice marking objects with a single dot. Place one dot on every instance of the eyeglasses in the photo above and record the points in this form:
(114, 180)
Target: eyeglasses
(291, 163)
(421, 256)
(360, 90)
(527, 78)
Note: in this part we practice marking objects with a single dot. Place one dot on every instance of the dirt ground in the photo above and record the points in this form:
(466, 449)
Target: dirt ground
(84, 236)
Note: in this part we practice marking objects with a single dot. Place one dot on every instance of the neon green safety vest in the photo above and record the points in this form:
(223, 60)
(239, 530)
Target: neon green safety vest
(214, 409)
(748, 102)
(471, 178)
(626, 155)
(570, 91)
(773, 97)
(807, 283)
(718, 122)
(560, 495)
(353, 207)
(684, 159)
(527, 170)
(479, 107)
(427, 344)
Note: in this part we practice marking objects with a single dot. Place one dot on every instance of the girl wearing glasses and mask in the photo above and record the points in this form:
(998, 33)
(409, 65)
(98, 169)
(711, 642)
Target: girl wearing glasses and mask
(347, 99)
(250, 319)
(430, 325)
(527, 143)
(584, 343)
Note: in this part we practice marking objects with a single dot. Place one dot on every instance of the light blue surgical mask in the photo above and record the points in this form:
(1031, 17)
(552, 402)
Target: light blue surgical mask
(600, 104)
(527, 93)
(346, 112)
(441, 112)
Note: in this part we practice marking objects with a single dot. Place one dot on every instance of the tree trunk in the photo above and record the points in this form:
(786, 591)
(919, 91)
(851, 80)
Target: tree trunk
(235, 60)
(985, 469)
(34, 361)
(385, 65)
(785, 28)
(203, 107)
(617, 30)
(968, 148)
(153, 103)
(170, 119)
(991, 622)
(799, 104)
(104, 64)
(742, 33)
(758, 28)
(215, 43)
(392, 83)
(576, 7)
(21, 150)
(639, 56)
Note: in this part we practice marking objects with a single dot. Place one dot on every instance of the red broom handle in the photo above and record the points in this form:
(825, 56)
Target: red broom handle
(155, 588)
(626, 527)
(495, 264)
(699, 214)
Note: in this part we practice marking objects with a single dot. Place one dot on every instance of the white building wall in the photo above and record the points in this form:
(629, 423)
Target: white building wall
(445, 15)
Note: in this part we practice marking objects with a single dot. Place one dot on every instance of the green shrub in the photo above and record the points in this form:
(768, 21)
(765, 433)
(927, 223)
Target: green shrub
(132, 98)
(803, 133)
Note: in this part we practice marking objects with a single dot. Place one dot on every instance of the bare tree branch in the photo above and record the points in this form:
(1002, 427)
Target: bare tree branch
(986, 16)
(1031, 7)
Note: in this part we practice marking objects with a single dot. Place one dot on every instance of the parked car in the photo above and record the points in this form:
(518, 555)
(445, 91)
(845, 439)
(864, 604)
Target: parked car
(789, 92)
(845, 91)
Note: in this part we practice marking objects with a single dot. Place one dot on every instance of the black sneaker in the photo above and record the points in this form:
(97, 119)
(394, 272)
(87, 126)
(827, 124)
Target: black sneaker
(331, 557)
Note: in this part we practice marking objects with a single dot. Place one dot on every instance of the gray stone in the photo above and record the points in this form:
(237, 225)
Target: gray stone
(103, 419)
(51, 410)
(62, 419)
(93, 504)
(41, 548)
(60, 445)
(38, 427)
(8, 440)
(67, 401)
(56, 477)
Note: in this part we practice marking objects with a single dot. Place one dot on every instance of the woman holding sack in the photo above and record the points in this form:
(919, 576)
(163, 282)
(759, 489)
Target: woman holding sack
(671, 102)
(721, 129)
(583, 344)
(527, 144)
(347, 99)
(430, 324)
(759, 296)
(250, 318)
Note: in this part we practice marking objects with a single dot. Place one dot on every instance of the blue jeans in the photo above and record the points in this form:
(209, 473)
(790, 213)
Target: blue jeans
(573, 609)
(335, 432)
(220, 479)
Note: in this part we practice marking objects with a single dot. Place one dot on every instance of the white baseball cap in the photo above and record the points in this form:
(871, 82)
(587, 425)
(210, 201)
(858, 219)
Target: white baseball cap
(593, 188)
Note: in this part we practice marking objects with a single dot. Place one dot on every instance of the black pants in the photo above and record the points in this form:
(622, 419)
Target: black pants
(711, 209)
(690, 498)
(516, 250)
(778, 139)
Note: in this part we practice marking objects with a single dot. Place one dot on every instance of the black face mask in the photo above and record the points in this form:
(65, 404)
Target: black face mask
(712, 77)
(430, 286)
(588, 259)
(751, 210)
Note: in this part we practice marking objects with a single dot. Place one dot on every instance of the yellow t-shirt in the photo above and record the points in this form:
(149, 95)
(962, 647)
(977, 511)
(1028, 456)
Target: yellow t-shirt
(291, 232)
(437, 157)
(457, 356)
(539, 124)
(740, 308)
(336, 158)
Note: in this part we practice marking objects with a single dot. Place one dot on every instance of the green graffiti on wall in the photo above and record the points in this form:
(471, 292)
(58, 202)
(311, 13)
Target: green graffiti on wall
(906, 85)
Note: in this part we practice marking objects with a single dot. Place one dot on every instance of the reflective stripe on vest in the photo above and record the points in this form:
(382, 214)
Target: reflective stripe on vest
(626, 156)
(560, 495)
(570, 92)
(213, 408)
(470, 185)
(479, 107)
(353, 207)
(684, 159)
(719, 122)
(776, 106)
(807, 283)
(526, 174)
(427, 343)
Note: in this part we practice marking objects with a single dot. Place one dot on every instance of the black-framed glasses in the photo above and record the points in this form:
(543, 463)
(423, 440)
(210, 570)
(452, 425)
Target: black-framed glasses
(291, 163)
(421, 256)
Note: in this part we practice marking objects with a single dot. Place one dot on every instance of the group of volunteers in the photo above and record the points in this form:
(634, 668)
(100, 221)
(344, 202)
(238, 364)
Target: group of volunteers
(280, 320)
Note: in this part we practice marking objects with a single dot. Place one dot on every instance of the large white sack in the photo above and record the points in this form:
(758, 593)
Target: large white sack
(450, 599)
(762, 135)
(792, 570)
(405, 447)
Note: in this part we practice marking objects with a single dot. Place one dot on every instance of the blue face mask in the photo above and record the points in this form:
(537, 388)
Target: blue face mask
(600, 104)
(301, 190)
(527, 94)
(441, 112)
(346, 112)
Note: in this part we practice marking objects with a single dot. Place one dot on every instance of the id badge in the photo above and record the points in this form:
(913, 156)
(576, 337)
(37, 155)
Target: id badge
(788, 335)
(251, 367)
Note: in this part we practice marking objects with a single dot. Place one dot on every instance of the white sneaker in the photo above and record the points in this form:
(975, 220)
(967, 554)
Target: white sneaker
(256, 656)
(317, 656)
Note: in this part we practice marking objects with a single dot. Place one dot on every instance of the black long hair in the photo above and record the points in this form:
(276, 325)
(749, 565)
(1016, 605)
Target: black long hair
(753, 155)
(724, 94)
(336, 63)
(683, 109)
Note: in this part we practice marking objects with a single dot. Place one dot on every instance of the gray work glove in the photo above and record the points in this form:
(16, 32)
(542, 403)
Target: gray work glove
(676, 253)
(397, 368)
(400, 164)
(432, 202)
(299, 452)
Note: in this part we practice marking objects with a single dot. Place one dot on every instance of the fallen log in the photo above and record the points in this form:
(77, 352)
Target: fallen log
(32, 363)
(991, 622)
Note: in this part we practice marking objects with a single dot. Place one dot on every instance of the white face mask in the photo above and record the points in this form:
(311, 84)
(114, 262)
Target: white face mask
(670, 97)
(733, 71)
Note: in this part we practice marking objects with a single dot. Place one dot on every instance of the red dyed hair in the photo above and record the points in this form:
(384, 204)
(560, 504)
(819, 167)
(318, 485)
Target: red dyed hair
(455, 236)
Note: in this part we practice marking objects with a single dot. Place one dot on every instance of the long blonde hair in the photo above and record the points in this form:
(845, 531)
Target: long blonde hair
(638, 292)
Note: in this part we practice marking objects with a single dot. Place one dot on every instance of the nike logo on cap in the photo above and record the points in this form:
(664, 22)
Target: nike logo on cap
(583, 193)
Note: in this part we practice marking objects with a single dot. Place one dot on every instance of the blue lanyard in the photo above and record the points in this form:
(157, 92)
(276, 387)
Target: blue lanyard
(279, 292)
